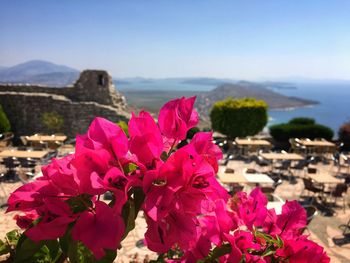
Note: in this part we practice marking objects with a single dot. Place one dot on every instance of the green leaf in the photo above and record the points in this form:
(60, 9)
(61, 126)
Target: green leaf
(269, 253)
(279, 242)
(164, 156)
(9, 244)
(13, 236)
(54, 249)
(128, 214)
(221, 251)
(131, 209)
(129, 168)
(4, 248)
(139, 197)
(80, 203)
(78, 253)
(64, 242)
(73, 253)
(29, 251)
(26, 249)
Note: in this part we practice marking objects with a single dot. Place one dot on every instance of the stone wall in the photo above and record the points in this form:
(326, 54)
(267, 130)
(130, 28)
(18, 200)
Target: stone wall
(92, 95)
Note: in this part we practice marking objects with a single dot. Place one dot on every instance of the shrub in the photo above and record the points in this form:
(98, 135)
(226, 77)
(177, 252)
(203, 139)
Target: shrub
(5, 125)
(239, 117)
(302, 121)
(52, 121)
(285, 131)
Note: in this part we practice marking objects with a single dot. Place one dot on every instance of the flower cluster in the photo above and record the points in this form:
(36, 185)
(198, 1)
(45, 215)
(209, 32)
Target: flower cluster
(185, 207)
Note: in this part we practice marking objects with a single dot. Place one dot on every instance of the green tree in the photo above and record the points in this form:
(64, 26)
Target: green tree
(302, 121)
(5, 125)
(52, 121)
(300, 128)
(239, 117)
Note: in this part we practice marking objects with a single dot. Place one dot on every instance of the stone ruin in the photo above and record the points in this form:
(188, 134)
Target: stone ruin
(93, 94)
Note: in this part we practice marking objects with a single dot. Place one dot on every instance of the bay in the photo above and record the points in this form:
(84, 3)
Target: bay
(333, 108)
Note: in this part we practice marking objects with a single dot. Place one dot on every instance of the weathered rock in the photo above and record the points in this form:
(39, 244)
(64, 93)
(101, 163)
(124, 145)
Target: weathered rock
(93, 94)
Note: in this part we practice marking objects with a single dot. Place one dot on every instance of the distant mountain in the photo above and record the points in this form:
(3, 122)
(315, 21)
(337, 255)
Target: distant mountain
(39, 72)
(206, 81)
(244, 89)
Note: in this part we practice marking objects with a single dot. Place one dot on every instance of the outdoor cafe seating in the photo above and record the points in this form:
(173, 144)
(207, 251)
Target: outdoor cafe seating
(44, 141)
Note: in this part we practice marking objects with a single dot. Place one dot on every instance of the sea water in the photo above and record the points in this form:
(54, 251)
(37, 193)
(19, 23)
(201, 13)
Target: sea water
(333, 108)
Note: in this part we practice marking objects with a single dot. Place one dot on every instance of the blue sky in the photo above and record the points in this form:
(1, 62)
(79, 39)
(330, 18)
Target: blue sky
(159, 38)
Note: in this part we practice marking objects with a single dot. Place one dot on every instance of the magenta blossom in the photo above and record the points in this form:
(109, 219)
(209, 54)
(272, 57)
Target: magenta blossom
(203, 145)
(25, 221)
(56, 215)
(288, 224)
(103, 134)
(145, 138)
(176, 117)
(99, 229)
(177, 193)
(302, 250)
(249, 210)
(62, 175)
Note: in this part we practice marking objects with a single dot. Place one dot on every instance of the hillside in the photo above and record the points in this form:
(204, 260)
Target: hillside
(248, 89)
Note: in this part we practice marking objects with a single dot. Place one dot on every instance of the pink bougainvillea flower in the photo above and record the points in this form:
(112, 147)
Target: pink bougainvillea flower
(200, 251)
(179, 190)
(90, 167)
(202, 142)
(249, 210)
(24, 221)
(184, 174)
(270, 225)
(104, 134)
(302, 250)
(56, 215)
(49, 229)
(178, 227)
(176, 117)
(156, 237)
(117, 182)
(30, 196)
(289, 223)
(240, 242)
(216, 223)
(62, 175)
(146, 141)
(100, 229)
